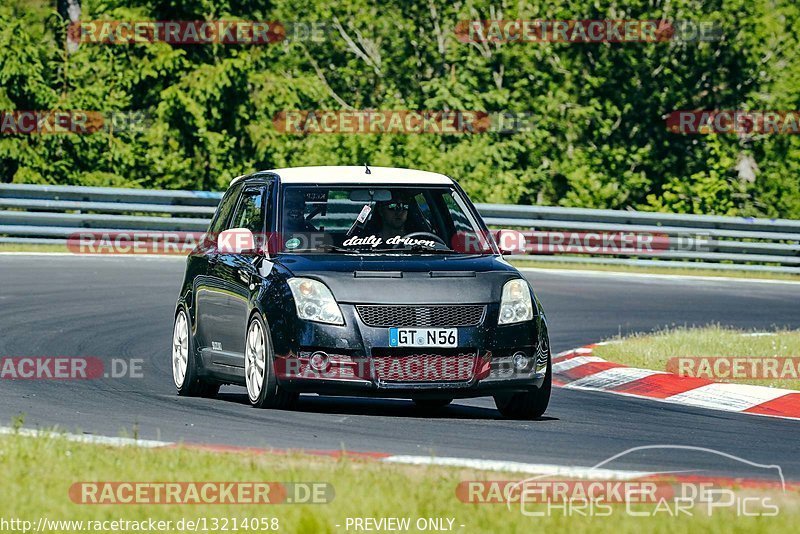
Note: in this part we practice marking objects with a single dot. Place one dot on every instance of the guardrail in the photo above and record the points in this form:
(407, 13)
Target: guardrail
(51, 214)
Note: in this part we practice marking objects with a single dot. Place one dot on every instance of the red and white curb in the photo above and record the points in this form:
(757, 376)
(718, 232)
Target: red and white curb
(466, 463)
(581, 369)
(542, 470)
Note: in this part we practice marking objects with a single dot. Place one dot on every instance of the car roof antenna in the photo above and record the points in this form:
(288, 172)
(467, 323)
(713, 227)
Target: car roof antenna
(367, 169)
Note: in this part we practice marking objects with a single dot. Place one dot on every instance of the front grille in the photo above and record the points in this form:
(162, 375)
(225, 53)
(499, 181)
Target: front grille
(425, 368)
(422, 316)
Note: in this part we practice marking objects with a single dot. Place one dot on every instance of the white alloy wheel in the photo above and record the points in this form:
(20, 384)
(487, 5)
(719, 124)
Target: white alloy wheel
(180, 349)
(255, 360)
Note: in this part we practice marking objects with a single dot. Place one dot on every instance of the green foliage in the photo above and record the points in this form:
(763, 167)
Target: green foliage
(598, 137)
(709, 191)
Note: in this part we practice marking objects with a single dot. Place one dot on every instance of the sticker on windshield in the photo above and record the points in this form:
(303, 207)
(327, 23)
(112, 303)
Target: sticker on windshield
(369, 241)
(293, 243)
(408, 242)
(364, 213)
(375, 241)
(316, 196)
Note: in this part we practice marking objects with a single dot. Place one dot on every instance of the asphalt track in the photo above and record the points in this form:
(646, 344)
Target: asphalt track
(123, 308)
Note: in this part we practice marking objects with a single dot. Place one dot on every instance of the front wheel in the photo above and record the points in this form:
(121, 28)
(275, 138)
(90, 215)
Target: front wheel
(184, 366)
(529, 404)
(263, 390)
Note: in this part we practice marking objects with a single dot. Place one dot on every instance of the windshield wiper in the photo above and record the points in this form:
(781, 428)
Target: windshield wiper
(334, 248)
(423, 248)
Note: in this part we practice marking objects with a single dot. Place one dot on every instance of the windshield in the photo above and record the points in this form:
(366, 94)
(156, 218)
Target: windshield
(379, 219)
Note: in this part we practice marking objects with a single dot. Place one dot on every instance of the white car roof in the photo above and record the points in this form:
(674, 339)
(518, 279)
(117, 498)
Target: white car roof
(356, 174)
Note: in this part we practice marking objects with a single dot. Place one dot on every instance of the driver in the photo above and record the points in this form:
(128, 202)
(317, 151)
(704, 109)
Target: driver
(298, 233)
(294, 207)
(394, 218)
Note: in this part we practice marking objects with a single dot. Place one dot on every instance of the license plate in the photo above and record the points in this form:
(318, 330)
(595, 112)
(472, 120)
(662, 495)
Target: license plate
(423, 337)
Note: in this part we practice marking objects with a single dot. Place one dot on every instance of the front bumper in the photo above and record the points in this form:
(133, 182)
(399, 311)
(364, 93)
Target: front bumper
(360, 360)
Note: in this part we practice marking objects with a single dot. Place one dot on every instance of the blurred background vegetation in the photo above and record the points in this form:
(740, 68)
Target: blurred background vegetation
(599, 138)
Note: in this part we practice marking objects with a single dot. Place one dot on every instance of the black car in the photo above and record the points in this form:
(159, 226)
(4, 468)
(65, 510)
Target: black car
(358, 281)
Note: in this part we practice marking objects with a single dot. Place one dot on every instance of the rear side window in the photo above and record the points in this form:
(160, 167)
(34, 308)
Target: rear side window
(218, 223)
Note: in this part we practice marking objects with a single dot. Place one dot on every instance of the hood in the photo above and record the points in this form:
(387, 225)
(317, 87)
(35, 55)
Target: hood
(405, 279)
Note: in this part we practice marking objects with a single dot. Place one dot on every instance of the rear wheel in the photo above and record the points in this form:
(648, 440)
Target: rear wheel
(262, 385)
(432, 404)
(184, 366)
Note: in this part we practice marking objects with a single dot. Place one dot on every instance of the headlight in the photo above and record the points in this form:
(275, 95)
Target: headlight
(515, 305)
(314, 301)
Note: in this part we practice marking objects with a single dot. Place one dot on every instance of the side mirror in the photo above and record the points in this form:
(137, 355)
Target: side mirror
(236, 241)
(511, 242)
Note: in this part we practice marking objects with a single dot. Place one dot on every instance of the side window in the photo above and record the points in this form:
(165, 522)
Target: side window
(457, 213)
(218, 223)
(250, 212)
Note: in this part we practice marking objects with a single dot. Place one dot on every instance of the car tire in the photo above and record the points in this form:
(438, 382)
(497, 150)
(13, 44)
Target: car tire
(263, 390)
(184, 365)
(529, 404)
(432, 404)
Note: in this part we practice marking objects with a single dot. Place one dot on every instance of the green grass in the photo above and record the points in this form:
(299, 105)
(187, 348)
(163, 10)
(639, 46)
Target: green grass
(652, 351)
(12, 247)
(677, 270)
(38, 472)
